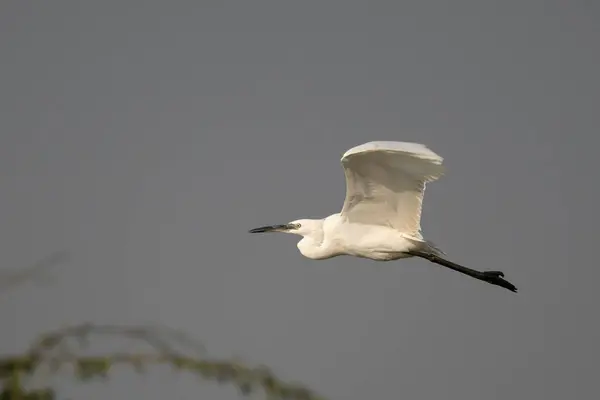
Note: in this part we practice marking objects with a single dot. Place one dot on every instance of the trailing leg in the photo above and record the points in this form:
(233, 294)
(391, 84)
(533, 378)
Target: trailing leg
(492, 277)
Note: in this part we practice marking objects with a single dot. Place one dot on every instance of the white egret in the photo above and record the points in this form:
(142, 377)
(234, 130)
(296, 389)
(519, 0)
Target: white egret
(381, 216)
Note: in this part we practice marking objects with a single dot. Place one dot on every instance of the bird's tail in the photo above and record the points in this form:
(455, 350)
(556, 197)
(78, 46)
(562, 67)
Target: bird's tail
(432, 248)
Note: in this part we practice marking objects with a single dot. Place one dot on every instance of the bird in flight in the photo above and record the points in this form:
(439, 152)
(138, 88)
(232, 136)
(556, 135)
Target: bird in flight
(381, 216)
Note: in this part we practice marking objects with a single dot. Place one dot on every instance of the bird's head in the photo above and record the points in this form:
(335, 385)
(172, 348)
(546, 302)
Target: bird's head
(302, 227)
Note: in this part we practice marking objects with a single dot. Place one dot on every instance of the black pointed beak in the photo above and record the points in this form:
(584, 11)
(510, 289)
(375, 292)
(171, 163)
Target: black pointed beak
(272, 228)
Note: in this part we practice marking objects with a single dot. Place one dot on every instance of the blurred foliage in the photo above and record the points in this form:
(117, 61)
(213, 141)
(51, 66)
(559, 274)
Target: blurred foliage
(59, 349)
(64, 349)
(35, 272)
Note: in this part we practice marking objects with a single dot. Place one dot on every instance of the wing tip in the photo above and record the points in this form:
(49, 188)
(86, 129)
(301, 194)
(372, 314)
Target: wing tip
(418, 150)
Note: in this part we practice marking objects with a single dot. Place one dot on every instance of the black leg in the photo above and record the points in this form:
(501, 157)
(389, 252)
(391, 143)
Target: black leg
(492, 277)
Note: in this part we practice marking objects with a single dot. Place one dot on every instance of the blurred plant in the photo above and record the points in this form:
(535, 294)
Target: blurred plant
(12, 279)
(58, 350)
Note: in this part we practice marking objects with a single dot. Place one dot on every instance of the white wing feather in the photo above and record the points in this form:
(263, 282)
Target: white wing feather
(385, 183)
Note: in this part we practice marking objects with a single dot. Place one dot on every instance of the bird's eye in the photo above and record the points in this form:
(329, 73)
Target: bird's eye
(298, 226)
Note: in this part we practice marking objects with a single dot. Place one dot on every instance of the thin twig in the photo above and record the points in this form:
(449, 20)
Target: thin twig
(14, 278)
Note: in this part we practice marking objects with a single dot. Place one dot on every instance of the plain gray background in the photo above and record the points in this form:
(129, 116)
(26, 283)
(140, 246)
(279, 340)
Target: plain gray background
(146, 138)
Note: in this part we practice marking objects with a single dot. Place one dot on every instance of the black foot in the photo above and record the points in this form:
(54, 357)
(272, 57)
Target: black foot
(495, 278)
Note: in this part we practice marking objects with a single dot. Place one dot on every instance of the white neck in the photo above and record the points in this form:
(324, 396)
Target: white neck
(310, 248)
(314, 243)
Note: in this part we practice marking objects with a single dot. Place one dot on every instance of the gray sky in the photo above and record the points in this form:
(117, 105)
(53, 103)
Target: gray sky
(147, 138)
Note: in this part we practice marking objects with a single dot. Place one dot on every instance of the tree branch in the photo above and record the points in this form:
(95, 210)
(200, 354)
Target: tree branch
(61, 348)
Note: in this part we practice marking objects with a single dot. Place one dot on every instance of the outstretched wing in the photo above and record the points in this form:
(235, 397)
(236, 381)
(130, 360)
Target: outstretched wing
(385, 183)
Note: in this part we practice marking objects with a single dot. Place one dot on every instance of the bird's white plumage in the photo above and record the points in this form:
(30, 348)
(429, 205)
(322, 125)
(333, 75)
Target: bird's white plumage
(385, 183)
(381, 216)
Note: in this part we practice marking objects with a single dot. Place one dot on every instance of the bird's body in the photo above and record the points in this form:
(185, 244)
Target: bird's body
(381, 216)
(336, 236)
